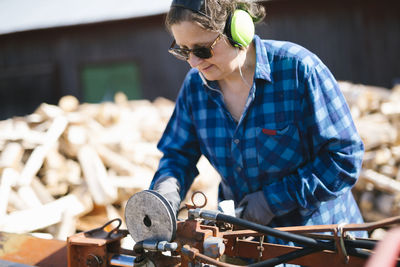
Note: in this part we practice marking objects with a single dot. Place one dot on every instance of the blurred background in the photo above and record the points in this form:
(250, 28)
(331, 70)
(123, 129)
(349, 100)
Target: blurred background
(86, 88)
(92, 49)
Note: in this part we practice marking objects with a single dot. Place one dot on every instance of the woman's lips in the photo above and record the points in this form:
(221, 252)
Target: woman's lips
(207, 68)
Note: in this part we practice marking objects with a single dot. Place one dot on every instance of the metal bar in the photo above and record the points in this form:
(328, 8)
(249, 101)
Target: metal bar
(248, 249)
(322, 228)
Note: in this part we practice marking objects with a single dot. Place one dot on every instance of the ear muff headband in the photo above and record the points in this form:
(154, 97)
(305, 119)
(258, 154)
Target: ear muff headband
(241, 29)
(194, 5)
(239, 26)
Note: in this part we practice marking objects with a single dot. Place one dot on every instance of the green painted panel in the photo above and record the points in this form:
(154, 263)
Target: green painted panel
(101, 82)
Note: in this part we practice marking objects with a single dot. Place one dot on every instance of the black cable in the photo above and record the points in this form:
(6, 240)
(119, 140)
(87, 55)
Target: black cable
(367, 244)
(285, 257)
(358, 252)
(296, 238)
(303, 240)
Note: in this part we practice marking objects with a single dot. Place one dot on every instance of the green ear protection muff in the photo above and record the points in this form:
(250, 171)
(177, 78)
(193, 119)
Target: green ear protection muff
(239, 27)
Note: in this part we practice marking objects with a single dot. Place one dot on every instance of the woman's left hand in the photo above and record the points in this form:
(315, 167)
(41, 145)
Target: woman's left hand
(256, 208)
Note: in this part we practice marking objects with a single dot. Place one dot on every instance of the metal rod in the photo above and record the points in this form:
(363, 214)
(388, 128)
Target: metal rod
(286, 257)
(303, 240)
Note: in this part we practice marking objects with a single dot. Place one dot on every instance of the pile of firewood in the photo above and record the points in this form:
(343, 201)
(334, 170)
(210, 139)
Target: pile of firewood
(376, 112)
(71, 167)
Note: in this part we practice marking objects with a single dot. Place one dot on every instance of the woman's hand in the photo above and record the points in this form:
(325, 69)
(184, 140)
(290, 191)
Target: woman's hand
(256, 208)
(169, 188)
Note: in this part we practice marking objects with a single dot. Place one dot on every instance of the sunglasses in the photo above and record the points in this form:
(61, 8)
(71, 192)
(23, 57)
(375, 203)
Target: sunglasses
(200, 52)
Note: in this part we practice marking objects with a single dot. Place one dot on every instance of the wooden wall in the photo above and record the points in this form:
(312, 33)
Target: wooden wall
(41, 66)
(358, 40)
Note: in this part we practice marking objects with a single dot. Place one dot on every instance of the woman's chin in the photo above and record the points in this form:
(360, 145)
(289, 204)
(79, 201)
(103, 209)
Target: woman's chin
(211, 76)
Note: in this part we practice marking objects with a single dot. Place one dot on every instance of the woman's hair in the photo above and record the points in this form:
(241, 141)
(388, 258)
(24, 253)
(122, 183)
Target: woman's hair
(214, 13)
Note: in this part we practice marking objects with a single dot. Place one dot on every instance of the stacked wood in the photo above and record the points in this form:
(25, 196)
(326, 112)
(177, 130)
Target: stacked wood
(376, 112)
(72, 166)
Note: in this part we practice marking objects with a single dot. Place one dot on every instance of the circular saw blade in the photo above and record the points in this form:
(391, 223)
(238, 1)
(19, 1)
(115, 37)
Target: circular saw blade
(149, 216)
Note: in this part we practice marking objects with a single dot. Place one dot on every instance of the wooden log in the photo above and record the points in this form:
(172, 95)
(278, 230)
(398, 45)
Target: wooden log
(383, 156)
(381, 182)
(115, 161)
(68, 103)
(11, 156)
(207, 182)
(72, 171)
(396, 153)
(75, 137)
(390, 109)
(41, 191)
(366, 201)
(15, 202)
(389, 170)
(108, 114)
(54, 159)
(369, 160)
(54, 185)
(121, 100)
(141, 153)
(43, 216)
(8, 178)
(365, 98)
(49, 111)
(36, 159)
(17, 130)
(102, 191)
(375, 130)
(385, 203)
(67, 225)
(139, 181)
(29, 196)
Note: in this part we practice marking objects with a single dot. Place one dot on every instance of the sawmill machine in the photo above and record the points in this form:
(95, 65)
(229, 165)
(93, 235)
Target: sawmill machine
(213, 238)
(204, 238)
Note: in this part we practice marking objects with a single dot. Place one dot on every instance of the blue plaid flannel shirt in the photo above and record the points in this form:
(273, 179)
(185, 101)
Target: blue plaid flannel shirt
(296, 139)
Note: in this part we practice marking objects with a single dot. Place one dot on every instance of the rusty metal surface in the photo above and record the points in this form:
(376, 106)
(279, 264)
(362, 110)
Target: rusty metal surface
(250, 249)
(95, 247)
(30, 250)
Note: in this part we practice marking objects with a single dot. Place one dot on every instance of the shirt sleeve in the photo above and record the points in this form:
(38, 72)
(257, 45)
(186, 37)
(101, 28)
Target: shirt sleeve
(179, 146)
(336, 150)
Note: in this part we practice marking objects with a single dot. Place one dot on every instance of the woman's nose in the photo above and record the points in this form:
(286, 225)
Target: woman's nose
(194, 61)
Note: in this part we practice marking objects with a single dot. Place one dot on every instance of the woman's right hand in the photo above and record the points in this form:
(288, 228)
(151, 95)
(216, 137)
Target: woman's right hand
(169, 188)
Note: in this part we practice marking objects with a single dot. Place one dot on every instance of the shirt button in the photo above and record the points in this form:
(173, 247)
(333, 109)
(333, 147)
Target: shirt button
(236, 141)
(238, 169)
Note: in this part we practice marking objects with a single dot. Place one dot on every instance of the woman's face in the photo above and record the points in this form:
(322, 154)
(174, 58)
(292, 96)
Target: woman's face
(190, 35)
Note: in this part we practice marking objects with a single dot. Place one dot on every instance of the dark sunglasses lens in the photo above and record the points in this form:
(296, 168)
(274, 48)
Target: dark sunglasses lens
(202, 52)
(180, 54)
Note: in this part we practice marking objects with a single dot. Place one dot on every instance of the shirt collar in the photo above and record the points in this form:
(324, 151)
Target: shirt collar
(263, 67)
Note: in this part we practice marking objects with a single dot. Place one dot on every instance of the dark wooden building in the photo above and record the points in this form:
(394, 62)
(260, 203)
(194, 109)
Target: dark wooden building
(358, 40)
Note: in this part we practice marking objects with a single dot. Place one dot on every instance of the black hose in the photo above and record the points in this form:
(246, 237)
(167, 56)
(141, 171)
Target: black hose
(367, 244)
(296, 238)
(285, 257)
(358, 252)
(303, 240)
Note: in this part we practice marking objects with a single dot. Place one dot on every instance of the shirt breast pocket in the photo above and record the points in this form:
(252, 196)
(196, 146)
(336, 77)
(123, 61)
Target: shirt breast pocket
(279, 150)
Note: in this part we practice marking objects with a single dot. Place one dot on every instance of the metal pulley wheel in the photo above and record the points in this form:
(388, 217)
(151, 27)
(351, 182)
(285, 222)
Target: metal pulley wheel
(149, 216)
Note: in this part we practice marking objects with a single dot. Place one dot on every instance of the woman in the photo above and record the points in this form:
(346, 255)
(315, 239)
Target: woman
(268, 115)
